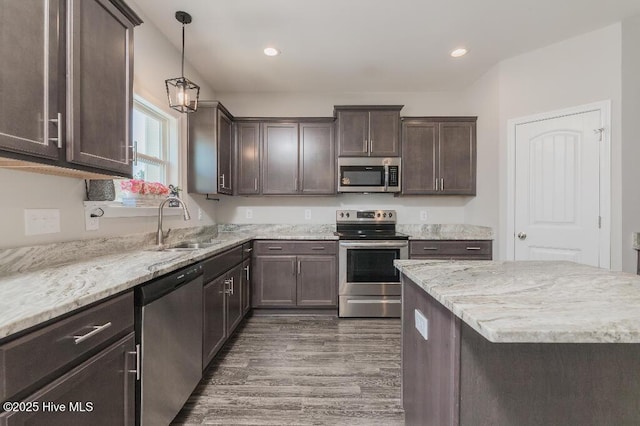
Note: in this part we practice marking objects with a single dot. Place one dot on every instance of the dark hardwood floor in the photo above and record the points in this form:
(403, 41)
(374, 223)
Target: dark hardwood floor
(302, 370)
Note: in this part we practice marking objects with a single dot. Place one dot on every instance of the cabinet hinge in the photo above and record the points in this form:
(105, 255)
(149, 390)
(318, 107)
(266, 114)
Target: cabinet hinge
(599, 222)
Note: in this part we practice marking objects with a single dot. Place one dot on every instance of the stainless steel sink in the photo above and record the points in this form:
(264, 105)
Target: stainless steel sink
(186, 246)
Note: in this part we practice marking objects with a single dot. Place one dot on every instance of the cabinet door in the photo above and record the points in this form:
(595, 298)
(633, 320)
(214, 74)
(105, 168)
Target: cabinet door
(317, 281)
(100, 84)
(457, 164)
(29, 78)
(202, 171)
(214, 327)
(246, 286)
(234, 298)
(101, 391)
(353, 133)
(280, 158)
(274, 281)
(225, 159)
(248, 158)
(419, 159)
(317, 158)
(384, 133)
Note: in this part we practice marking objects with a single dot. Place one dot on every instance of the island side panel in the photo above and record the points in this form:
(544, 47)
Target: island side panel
(548, 384)
(430, 368)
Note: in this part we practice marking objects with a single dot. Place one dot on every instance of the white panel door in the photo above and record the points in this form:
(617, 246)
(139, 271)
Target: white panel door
(557, 175)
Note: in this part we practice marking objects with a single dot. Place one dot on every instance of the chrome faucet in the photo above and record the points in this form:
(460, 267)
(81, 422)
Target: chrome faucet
(160, 236)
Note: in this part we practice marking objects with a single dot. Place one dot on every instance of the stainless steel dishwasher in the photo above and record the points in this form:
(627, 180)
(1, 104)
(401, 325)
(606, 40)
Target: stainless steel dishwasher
(169, 332)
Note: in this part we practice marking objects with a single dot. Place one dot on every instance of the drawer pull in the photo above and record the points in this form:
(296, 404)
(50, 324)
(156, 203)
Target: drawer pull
(274, 248)
(317, 248)
(96, 329)
(137, 355)
(474, 248)
(249, 250)
(430, 248)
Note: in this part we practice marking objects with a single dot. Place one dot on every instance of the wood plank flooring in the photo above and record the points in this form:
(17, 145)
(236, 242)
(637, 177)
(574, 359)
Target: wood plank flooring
(302, 370)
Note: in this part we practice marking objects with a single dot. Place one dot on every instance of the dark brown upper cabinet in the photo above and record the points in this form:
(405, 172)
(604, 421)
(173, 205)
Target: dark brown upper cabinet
(247, 158)
(368, 131)
(210, 151)
(439, 155)
(298, 158)
(70, 104)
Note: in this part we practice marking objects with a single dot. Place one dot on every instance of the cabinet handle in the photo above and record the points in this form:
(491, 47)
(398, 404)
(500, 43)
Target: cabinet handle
(246, 269)
(96, 329)
(430, 248)
(134, 153)
(436, 182)
(371, 145)
(58, 121)
(365, 145)
(474, 248)
(222, 184)
(441, 184)
(274, 248)
(295, 181)
(299, 267)
(229, 290)
(317, 248)
(249, 250)
(255, 184)
(232, 286)
(137, 354)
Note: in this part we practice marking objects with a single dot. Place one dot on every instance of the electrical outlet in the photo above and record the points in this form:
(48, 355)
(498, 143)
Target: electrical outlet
(423, 215)
(41, 221)
(91, 223)
(199, 213)
(422, 324)
(249, 213)
(307, 214)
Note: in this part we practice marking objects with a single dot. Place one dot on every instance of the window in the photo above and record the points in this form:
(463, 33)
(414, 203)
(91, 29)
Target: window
(151, 136)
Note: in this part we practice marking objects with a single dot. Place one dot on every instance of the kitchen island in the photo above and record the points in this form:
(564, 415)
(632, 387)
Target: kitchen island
(519, 343)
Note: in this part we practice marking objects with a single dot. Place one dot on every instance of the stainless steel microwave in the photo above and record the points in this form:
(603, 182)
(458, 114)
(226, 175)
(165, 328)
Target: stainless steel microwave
(368, 174)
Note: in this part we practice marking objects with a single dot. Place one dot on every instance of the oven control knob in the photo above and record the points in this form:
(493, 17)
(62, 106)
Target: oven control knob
(347, 214)
(384, 215)
(341, 214)
(378, 214)
(390, 214)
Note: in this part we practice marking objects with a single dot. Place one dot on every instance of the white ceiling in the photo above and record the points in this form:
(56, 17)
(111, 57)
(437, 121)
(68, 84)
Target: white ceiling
(368, 45)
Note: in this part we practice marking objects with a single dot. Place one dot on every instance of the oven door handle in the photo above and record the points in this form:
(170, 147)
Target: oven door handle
(386, 177)
(374, 244)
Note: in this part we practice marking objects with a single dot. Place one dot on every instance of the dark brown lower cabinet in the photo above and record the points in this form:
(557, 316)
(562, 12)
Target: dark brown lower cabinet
(274, 283)
(223, 297)
(315, 284)
(451, 249)
(457, 377)
(100, 391)
(289, 281)
(246, 286)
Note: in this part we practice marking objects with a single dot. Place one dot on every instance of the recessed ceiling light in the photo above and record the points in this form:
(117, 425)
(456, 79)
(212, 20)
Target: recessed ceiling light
(459, 52)
(271, 51)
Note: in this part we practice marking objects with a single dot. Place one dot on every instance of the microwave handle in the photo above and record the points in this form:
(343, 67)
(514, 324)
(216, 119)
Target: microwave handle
(386, 177)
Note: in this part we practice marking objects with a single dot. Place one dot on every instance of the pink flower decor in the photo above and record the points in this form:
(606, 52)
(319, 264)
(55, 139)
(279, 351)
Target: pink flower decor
(137, 186)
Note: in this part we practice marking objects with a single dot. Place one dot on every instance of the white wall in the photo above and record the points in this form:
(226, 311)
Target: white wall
(291, 209)
(574, 72)
(630, 155)
(155, 60)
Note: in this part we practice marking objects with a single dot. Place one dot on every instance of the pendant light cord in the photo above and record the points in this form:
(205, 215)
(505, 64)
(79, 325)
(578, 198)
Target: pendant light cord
(183, 50)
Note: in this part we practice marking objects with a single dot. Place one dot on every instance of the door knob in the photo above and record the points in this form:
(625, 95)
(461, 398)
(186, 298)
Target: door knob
(522, 235)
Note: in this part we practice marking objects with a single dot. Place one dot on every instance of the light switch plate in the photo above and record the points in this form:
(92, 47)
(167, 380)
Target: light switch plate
(249, 214)
(307, 214)
(41, 221)
(422, 324)
(423, 215)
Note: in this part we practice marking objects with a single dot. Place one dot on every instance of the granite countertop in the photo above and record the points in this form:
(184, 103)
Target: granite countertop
(40, 283)
(534, 301)
(32, 297)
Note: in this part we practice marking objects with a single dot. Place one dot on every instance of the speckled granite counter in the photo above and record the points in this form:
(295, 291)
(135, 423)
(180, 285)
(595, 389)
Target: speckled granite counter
(534, 301)
(30, 296)
(43, 282)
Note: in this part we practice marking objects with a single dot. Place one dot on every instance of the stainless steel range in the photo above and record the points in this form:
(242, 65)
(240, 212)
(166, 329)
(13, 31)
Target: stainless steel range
(369, 243)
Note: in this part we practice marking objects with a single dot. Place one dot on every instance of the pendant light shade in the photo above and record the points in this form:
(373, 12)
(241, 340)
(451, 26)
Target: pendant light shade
(182, 93)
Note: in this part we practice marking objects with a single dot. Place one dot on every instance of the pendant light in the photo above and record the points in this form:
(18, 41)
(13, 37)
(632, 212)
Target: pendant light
(182, 92)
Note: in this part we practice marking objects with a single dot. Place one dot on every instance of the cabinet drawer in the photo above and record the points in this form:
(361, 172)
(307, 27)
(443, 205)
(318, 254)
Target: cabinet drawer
(45, 353)
(461, 249)
(275, 247)
(221, 263)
